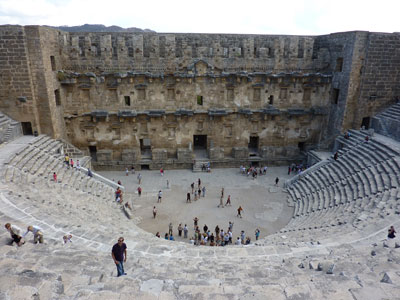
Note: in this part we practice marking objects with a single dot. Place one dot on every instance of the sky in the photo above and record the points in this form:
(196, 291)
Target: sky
(307, 17)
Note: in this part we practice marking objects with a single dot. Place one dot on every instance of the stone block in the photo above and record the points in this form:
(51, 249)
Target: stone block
(185, 155)
(216, 153)
(104, 155)
(130, 155)
(240, 152)
(159, 155)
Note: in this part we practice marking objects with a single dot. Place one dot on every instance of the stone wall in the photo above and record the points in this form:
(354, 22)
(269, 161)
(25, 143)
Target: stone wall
(380, 75)
(115, 91)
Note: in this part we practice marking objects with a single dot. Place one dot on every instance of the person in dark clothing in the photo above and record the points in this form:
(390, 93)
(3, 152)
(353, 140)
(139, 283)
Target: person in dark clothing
(118, 254)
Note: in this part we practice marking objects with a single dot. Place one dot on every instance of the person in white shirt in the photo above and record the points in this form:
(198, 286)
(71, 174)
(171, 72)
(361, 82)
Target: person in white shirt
(37, 233)
(238, 241)
(15, 233)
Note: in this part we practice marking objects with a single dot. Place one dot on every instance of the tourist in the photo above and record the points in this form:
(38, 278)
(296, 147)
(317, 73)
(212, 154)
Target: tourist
(204, 191)
(119, 254)
(230, 236)
(66, 160)
(72, 163)
(180, 228)
(205, 228)
(54, 177)
(221, 199)
(226, 239)
(159, 196)
(276, 181)
(89, 173)
(166, 236)
(199, 183)
(133, 170)
(230, 226)
(239, 210)
(139, 190)
(195, 195)
(238, 241)
(199, 192)
(171, 237)
(37, 234)
(188, 197)
(192, 240)
(228, 201)
(162, 172)
(118, 194)
(192, 186)
(212, 238)
(391, 233)
(242, 236)
(195, 222)
(67, 238)
(217, 231)
(126, 172)
(15, 233)
(167, 184)
(257, 233)
(248, 241)
(78, 165)
(170, 227)
(127, 205)
(185, 232)
(366, 139)
(335, 156)
(158, 234)
(154, 212)
(139, 178)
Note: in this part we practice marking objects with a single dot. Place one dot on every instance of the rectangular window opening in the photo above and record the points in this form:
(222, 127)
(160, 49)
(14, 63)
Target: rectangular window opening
(53, 63)
(58, 97)
(127, 100)
(199, 100)
(335, 96)
(339, 64)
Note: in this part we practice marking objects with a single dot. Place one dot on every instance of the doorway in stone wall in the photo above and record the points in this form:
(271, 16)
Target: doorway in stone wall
(145, 148)
(253, 145)
(200, 146)
(26, 128)
(365, 122)
(93, 152)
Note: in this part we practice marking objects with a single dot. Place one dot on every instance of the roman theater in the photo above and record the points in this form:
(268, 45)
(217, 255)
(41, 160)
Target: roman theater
(320, 114)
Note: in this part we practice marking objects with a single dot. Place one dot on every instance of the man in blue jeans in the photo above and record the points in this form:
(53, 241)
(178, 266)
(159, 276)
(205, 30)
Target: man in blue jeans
(118, 254)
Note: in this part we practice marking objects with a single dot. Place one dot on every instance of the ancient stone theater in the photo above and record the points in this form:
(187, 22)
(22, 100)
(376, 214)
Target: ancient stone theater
(116, 103)
(153, 99)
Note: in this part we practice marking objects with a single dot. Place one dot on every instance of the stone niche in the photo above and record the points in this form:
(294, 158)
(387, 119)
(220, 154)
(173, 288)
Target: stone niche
(159, 155)
(266, 152)
(104, 155)
(130, 155)
(240, 152)
(185, 155)
(216, 153)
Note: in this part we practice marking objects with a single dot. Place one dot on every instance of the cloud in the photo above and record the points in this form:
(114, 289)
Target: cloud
(257, 16)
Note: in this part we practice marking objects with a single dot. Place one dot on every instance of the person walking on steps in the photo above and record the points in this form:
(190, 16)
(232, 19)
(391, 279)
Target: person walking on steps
(118, 253)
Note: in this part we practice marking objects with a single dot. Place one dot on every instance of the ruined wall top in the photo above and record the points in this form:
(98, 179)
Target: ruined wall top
(169, 52)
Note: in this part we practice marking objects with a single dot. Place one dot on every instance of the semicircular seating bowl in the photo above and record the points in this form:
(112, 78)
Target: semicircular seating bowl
(341, 210)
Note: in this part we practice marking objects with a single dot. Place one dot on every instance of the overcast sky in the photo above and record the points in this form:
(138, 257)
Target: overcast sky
(307, 17)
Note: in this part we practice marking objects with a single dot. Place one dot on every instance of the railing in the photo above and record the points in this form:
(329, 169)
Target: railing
(288, 183)
(102, 179)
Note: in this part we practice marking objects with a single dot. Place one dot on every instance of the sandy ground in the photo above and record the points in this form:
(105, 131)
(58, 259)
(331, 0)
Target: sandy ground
(264, 205)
